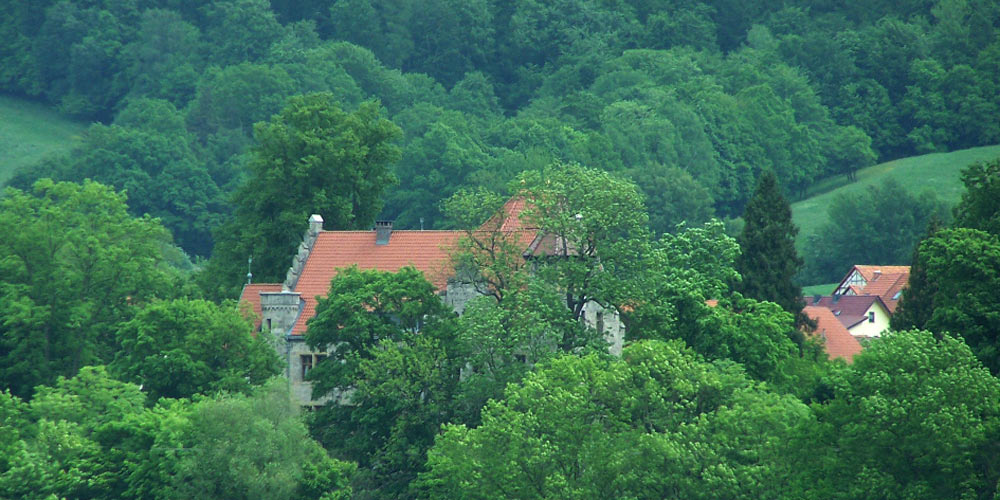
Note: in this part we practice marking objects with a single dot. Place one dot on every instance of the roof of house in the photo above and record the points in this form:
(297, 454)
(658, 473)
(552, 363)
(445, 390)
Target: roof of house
(869, 272)
(849, 309)
(251, 296)
(509, 217)
(888, 287)
(883, 281)
(427, 251)
(837, 341)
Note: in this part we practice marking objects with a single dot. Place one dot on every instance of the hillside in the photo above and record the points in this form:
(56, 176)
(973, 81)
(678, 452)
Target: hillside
(30, 131)
(938, 171)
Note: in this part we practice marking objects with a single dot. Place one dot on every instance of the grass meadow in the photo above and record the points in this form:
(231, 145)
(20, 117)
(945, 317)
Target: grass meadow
(940, 172)
(31, 131)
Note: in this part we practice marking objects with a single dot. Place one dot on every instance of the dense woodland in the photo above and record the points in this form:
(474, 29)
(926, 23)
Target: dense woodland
(676, 130)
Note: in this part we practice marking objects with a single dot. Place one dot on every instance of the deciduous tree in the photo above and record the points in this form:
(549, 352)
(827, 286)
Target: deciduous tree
(73, 267)
(180, 348)
(311, 158)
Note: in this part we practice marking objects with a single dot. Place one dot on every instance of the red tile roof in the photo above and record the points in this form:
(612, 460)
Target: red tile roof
(868, 272)
(509, 218)
(424, 250)
(849, 309)
(251, 295)
(838, 342)
(883, 281)
(887, 286)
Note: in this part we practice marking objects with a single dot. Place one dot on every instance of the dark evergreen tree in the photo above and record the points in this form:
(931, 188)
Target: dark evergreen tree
(917, 302)
(980, 205)
(769, 260)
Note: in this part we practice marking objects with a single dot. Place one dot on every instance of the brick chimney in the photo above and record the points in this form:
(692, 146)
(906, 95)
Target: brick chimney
(383, 231)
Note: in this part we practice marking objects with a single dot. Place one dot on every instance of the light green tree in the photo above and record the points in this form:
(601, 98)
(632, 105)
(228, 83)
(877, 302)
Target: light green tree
(915, 416)
(73, 267)
(180, 348)
(658, 423)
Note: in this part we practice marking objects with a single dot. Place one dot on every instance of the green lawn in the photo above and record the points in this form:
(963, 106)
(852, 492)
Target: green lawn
(30, 131)
(826, 289)
(939, 172)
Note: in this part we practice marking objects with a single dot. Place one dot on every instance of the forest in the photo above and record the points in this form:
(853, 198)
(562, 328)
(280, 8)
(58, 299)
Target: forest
(677, 130)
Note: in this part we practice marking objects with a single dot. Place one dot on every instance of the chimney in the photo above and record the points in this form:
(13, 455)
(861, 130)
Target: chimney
(315, 223)
(383, 231)
(878, 272)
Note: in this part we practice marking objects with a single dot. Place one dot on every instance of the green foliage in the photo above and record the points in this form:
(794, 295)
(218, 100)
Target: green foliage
(31, 132)
(880, 226)
(500, 342)
(962, 269)
(658, 423)
(255, 448)
(395, 370)
(92, 437)
(74, 265)
(180, 348)
(980, 204)
(311, 158)
(769, 260)
(915, 416)
(592, 222)
(149, 154)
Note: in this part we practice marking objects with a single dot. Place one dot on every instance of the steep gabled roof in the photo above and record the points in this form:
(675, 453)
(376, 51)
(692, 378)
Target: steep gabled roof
(883, 281)
(509, 218)
(849, 309)
(888, 288)
(869, 272)
(427, 251)
(837, 341)
(251, 296)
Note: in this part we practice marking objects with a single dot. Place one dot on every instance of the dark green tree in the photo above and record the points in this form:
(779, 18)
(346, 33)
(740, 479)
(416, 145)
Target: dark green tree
(854, 234)
(393, 376)
(916, 304)
(313, 158)
(963, 288)
(980, 205)
(769, 261)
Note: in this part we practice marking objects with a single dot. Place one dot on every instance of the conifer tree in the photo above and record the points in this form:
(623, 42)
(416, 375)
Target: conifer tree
(917, 302)
(769, 260)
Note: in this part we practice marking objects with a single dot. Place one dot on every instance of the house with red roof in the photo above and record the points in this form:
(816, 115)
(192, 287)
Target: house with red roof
(864, 316)
(284, 308)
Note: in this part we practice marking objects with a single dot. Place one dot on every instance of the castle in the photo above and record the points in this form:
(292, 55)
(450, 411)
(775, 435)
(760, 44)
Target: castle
(284, 308)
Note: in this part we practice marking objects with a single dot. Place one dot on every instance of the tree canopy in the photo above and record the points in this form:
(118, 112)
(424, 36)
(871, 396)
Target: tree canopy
(313, 157)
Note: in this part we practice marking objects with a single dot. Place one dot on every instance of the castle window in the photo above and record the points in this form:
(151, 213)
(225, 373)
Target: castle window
(309, 361)
(307, 364)
(600, 321)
